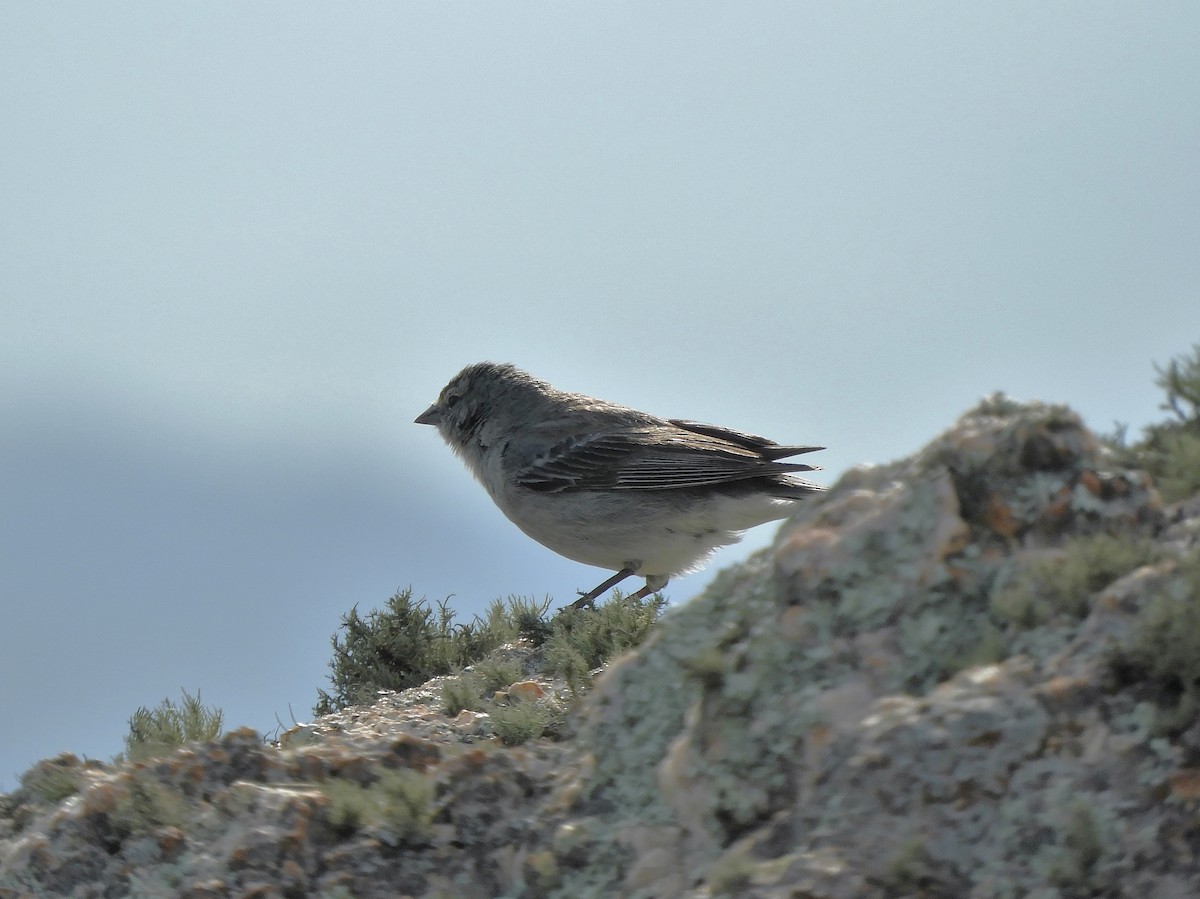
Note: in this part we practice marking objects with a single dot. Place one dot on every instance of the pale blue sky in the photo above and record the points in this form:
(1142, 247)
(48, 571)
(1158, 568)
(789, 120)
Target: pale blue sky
(242, 246)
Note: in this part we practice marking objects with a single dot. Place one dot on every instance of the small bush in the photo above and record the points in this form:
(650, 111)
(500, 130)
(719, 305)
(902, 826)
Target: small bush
(158, 731)
(1081, 846)
(1170, 451)
(1179, 468)
(1180, 380)
(520, 722)
(1061, 586)
(409, 642)
(584, 639)
(998, 405)
(496, 674)
(400, 646)
(530, 620)
(1164, 649)
(51, 780)
(462, 692)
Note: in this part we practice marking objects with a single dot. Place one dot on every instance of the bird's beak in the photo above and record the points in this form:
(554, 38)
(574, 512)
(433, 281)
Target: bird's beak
(431, 416)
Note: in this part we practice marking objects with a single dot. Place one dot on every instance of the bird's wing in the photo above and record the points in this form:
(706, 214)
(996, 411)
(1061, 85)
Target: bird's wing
(653, 457)
(768, 449)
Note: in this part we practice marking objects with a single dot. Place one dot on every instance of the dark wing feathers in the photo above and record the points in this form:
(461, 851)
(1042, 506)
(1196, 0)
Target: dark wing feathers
(768, 449)
(658, 458)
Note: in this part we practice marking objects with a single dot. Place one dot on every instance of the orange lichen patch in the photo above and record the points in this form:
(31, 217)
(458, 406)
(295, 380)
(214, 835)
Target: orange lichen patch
(794, 623)
(808, 539)
(1119, 488)
(293, 872)
(955, 542)
(999, 517)
(1059, 508)
(472, 758)
(1091, 482)
(1059, 687)
(526, 690)
(309, 766)
(1063, 691)
(1185, 783)
(413, 752)
(170, 840)
(100, 798)
(294, 838)
(819, 736)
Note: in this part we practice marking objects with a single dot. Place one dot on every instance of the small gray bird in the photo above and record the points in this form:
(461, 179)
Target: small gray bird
(607, 485)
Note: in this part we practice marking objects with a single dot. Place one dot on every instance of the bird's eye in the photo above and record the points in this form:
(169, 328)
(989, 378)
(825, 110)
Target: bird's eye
(452, 400)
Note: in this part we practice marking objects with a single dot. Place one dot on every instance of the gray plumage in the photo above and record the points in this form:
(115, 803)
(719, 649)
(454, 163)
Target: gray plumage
(610, 486)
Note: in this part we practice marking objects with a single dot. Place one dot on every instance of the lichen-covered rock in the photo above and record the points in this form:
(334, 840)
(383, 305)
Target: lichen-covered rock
(941, 681)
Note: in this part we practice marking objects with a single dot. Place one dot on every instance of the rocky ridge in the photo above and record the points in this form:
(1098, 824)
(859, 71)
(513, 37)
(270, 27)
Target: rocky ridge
(899, 698)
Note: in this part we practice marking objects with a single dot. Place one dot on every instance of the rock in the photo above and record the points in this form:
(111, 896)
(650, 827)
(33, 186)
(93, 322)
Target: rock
(851, 714)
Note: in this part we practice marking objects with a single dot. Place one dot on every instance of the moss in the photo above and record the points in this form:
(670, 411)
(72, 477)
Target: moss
(709, 667)
(541, 872)
(941, 640)
(731, 874)
(1080, 847)
(146, 805)
(908, 870)
(399, 802)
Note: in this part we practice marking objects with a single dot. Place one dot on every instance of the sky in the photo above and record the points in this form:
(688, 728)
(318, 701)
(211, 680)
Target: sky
(242, 246)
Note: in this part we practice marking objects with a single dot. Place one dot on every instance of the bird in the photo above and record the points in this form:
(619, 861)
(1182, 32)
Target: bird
(609, 486)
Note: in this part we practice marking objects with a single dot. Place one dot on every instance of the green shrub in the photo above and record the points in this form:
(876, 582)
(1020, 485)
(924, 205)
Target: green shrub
(1080, 847)
(158, 731)
(1163, 650)
(584, 639)
(529, 619)
(51, 780)
(496, 674)
(1060, 586)
(731, 874)
(1180, 380)
(462, 692)
(409, 642)
(1178, 475)
(400, 646)
(1170, 451)
(400, 801)
(522, 721)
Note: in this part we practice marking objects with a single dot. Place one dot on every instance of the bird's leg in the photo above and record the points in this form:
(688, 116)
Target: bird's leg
(587, 599)
(654, 583)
